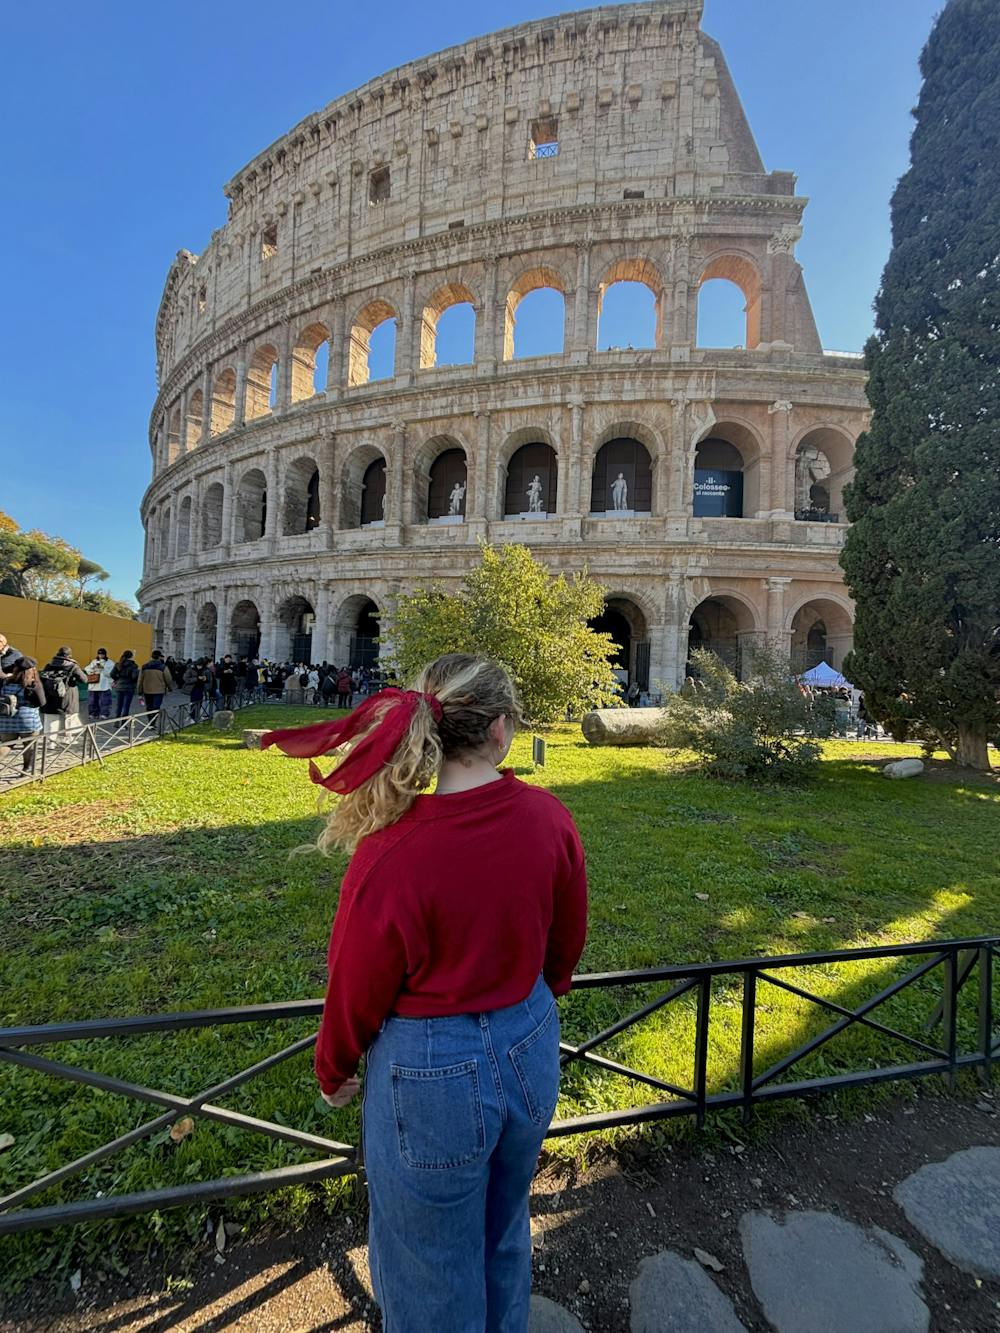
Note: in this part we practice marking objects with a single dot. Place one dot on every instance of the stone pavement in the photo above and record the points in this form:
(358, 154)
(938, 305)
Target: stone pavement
(816, 1272)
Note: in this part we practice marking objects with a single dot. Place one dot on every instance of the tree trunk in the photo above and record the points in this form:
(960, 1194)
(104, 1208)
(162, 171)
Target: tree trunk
(972, 751)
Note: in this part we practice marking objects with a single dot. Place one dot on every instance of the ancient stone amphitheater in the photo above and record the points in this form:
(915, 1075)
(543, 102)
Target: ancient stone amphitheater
(294, 493)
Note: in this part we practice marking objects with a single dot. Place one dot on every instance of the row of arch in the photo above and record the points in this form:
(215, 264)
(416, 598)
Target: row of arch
(536, 316)
(725, 484)
(817, 630)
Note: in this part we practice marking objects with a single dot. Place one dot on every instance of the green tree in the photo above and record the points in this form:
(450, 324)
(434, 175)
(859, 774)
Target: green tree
(513, 610)
(34, 565)
(922, 557)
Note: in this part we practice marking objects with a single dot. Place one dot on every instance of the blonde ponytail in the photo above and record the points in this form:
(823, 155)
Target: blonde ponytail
(473, 692)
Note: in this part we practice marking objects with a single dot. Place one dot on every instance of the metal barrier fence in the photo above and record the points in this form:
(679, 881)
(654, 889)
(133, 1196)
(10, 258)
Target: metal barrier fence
(38, 757)
(955, 962)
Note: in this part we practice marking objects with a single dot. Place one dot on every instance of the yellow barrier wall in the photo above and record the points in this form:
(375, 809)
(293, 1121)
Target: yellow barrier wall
(38, 629)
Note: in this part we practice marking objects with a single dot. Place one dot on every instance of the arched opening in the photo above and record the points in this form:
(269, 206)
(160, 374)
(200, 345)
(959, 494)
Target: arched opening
(205, 629)
(184, 526)
(630, 306)
(211, 516)
(195, 420)
(626, 624)
(724, 626)
(244, 629)
(824, 459)
(729, 303)
(174, 434)
(535, 315)
(372, 348)
(355, 633)
(532, 484)
(622, 482)
(308, 374)
(165, 518)
(448, 327)
(447, 483)
(223, 401)
(372, 509)
(178, 631)
(262, 382)
(296, 619)
(727, 473)
(821, 631)
(251, 506)
(302, 504)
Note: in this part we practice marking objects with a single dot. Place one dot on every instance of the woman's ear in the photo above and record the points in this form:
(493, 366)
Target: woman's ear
(497, 732)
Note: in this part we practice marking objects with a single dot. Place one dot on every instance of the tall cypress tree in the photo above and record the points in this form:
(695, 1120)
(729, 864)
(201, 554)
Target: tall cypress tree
(922, 557)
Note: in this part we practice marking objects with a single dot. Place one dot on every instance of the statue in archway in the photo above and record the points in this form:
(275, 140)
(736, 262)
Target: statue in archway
(619, 492)
(812, 467)
(535, 496)
(456, 497)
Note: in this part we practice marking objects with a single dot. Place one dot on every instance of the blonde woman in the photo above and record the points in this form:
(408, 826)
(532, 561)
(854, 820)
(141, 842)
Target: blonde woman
(461, 916)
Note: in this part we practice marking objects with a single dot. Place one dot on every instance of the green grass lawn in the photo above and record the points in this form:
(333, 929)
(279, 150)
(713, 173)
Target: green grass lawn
(166, 881)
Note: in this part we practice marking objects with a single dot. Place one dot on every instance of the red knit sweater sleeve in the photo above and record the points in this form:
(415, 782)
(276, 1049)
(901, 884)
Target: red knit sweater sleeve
(367, 964)
(568, 932)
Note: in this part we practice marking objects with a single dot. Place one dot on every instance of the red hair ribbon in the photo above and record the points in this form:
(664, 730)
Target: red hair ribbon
(371, 752)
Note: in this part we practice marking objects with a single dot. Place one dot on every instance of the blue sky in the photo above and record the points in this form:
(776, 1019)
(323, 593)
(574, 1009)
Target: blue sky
(124, 121)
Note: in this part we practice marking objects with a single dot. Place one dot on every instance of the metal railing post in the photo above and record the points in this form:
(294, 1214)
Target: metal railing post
(747, 1042)
(950, 1014)
(986, 1014)
(701, 1047)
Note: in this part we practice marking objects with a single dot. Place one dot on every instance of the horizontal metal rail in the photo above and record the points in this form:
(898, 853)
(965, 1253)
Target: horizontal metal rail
(954, 961)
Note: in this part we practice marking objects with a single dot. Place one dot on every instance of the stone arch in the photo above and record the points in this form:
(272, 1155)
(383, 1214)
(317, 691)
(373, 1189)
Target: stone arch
(742, 271)
(822, 459)
(637, 271)
(821, 629)
(205, 630)
(727, 623)
(304, 353)
(530, 280)
(184, 526)
(622, 461)
(211, 515)
(301, 507)
(363, 488)
(626, 617)
(728, 449)
(251, 506)
(447, 297)
(223, 401)
(244, 628)
(441, 464)
(178, 630)
(262, 376)
(356, 626)
(195, 420)
(296, 618)
(527, 448)
(370, 317)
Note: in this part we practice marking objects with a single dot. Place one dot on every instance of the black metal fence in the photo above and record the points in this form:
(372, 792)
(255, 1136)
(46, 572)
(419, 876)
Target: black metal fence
(949, 966)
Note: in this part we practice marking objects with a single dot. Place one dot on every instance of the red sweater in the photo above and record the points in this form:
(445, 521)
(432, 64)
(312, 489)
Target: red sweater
(454, 909)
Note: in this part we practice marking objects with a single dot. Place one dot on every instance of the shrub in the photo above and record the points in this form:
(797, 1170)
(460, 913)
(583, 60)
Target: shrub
(760, 728)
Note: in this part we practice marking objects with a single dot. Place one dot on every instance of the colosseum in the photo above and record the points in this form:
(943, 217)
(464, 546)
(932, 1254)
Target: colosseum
(313, 455)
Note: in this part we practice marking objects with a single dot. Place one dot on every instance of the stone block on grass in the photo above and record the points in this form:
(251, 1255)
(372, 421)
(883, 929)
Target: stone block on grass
(622, 726)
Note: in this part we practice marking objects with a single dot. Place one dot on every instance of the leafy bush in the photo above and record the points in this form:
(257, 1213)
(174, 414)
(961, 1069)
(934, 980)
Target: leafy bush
(760, 728)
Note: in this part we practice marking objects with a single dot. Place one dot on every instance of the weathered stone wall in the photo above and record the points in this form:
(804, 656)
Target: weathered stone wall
(637, 100)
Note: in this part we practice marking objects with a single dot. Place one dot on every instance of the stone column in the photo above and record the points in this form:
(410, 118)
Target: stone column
(221, 623)
(577, 489)
(398, 491)
(487, 318)
(241, 387)
(273, 503)
(479, 501)
(675, 634)
(682, 306)
(182, 403)
(321, 624)
(194, 532)
(583, 336)
(206, 405)
(284, 386)
(774, 589)
(268, 622)
(781, 501)
(336, 368)
(407, 336)
(189, 627)
(228, 508)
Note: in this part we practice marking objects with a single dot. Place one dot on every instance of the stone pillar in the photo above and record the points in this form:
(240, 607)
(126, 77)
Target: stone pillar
(206, 405)
(675, 634)
(336, 369)
(479, 499)
(241, 387)
(194, 532)
(273, 503)
(781, 501)
(182, 402)
(583, 335)
(321, 631)
(268, 622)
(577, 484)
(284, 386)
(488, 318)
(407, 336)
(673, 501)
(683, 305)
(228, 508)
(189, 627)
(774, 589)
(398, 491)
(221, 623)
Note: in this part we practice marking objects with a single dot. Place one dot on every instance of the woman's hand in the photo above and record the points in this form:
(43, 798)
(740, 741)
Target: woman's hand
(347, 1091)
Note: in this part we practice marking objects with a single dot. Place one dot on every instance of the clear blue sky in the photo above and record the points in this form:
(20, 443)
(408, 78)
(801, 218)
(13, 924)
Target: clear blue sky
(124, 120)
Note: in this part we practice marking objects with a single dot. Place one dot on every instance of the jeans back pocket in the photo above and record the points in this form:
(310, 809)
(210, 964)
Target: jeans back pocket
(536, 1063)
(439, 1115)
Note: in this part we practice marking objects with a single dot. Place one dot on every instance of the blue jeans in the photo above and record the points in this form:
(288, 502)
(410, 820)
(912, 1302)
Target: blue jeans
(455, 1111)
(124, 705)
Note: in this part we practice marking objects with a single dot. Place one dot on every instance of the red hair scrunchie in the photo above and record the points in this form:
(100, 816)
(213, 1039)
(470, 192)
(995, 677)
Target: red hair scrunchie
(370, 753)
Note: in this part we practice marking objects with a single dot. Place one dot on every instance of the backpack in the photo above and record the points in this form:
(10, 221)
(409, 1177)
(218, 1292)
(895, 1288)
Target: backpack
(304, 679)
(8, 704)
(56, 689)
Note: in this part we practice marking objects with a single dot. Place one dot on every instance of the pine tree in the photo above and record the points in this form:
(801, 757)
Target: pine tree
(922, 557)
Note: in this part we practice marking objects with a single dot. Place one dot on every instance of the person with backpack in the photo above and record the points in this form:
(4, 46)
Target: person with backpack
(155, 681)
(461, 917)
(328, 688)
(60, 680)
(227, 682)
(124, 678)
(21, 698)
(99, 685)
(345, 688)
(197, 690)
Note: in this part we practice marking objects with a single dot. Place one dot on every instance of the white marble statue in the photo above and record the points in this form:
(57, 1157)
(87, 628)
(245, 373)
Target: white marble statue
(456, 498)
(535, 496)
(619, 492)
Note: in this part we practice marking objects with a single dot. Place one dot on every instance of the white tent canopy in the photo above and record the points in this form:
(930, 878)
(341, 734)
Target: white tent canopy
(825, 677)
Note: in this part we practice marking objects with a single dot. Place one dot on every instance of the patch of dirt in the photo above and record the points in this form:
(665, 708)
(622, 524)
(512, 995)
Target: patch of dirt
(91, 821)
(935, 770)
(591, 1225)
